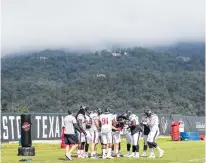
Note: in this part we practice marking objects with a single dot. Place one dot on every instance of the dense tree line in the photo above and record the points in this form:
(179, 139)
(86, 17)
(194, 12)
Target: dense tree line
(54, 80)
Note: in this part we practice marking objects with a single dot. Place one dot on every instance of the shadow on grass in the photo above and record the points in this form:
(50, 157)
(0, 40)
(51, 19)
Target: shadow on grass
(64, 158)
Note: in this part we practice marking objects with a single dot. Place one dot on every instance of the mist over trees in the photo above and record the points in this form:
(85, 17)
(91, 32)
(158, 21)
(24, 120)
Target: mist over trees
(132, 79)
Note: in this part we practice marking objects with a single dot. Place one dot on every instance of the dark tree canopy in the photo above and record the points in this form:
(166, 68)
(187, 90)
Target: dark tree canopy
(53, 81)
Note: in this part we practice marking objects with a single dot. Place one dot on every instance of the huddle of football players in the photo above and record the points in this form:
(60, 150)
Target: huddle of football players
(103, 127)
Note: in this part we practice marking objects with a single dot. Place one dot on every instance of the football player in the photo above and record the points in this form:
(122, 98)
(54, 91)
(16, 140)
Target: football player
(106, 120)
(153, 124)
(146, 131)
(88, 131)
(127, 133)
(116, 135)
(136, 131)
(81, 120)
(95, 128)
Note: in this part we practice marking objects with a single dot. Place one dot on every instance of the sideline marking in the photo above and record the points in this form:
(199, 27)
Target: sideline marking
(197, 159)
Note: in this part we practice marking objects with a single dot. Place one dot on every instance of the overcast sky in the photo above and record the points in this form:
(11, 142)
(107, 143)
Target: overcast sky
(42, 24)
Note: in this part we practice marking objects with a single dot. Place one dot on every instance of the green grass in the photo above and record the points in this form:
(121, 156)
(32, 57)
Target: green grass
(175, 152)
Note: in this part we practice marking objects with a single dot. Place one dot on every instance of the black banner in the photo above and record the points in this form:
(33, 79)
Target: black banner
(48, 126)
(44, 126)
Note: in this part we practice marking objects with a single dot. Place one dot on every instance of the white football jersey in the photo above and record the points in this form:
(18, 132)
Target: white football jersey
(88, 120)
(114, 117)
(106, 122)
(133, 117)
(82, 118)
(94, 116)
(145, 120)
(153, 122)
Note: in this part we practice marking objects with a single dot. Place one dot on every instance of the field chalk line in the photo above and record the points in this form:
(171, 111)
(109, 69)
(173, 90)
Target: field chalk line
(197, 159)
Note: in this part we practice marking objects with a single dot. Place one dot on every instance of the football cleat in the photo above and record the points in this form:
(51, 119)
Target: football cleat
(131, 155)
(152, 156)
(136, 156)
(109, 157)
(161, 153)
(144, 155)
(68, 156)
(128, 153)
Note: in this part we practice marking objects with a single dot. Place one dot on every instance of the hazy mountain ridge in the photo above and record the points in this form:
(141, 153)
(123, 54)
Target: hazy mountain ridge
(53, 80)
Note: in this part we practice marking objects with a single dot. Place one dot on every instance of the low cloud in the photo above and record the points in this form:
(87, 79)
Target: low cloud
(77, 24)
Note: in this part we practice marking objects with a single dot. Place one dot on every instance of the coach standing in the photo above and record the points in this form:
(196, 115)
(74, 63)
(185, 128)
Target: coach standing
(70, 136)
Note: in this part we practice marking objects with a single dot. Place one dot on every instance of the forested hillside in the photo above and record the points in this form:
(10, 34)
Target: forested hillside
(53, 81)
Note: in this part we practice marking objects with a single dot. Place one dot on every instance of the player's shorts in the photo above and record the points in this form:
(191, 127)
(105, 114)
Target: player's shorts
(145, 139)
(136, 138)
(128, 138)
(70, 139)
(95, 137)
(116, 137)
(89, 136)
(106, 138)
(153, 135)
(81, 137)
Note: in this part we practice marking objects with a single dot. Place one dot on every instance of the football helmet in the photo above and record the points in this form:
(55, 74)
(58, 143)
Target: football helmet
(148, 112)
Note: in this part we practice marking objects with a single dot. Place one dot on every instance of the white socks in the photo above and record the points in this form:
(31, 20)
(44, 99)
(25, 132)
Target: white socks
(109, 150)
(103, 152)
(151, 151)
(93, 153)
(158, 148)
(116, 151)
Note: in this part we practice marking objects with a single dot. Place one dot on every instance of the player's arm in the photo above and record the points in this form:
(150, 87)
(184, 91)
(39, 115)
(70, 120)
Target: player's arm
(132, 124)
(144, 122)
(155, 121)
(114, 123)
(97, 124)
(81, 126)
(76, 126)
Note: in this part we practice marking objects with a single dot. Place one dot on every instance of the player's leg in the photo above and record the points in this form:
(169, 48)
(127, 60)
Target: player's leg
(144, 154)
(134, 144)
(93, 145)
(155, 145)
(150, 139)
(88, 140)
(113, 144)
(116, 144)
(137, 146)
(79, 145)
(82, 145)
(104, 144)
(119, 140)
(101, 141)
(152, 142)
(129, 140)
(109, 141)
(95, 139)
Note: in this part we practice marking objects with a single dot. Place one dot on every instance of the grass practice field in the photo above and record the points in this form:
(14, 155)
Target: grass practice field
(175, 152)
